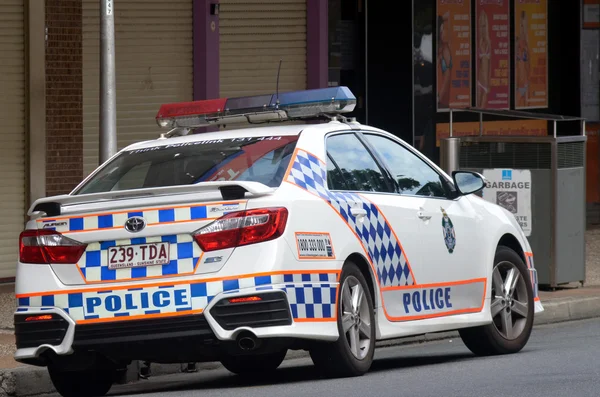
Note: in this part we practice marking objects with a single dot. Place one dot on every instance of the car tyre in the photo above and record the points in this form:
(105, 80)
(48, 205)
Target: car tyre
(352, 353)
(512, 309)
(88, 383)
(258, 364)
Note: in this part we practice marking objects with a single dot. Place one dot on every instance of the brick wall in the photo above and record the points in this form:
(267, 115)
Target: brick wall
(64, 114)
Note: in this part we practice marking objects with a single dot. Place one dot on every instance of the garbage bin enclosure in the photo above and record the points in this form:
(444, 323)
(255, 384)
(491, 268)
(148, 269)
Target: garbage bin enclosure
(542, 181)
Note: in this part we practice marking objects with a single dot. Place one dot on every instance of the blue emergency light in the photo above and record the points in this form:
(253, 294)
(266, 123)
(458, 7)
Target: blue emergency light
(260, 108)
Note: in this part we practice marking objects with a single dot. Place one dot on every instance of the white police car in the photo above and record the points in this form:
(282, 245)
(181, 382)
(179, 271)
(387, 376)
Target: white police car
(238, 245)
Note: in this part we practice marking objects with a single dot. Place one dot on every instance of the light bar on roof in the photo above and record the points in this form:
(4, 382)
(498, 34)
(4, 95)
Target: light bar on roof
(259, 108)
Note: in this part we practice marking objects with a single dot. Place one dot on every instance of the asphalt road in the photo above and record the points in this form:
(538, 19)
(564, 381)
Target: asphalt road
(559, 360)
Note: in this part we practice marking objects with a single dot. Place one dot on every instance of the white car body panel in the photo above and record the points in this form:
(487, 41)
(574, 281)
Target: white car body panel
(311, 284)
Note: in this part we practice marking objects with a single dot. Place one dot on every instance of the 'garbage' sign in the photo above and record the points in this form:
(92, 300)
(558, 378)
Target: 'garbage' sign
(511, 189)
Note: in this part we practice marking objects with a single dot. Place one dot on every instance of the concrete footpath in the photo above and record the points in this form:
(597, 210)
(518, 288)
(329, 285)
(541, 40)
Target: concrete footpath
(570, 302)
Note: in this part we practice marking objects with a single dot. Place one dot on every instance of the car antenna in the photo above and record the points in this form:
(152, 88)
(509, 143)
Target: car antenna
(277, 86)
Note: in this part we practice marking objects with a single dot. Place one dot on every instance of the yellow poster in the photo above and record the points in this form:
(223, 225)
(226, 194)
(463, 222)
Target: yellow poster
(531, 54)
(492, 48)
(453, 58)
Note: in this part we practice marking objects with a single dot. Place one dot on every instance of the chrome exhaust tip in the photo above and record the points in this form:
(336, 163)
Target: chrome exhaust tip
(247, 341)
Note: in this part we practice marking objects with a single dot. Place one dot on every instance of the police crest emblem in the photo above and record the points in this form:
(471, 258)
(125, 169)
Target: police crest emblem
(448, 229)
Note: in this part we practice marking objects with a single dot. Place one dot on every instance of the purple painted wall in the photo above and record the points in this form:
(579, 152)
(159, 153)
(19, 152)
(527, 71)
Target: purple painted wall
(206, 50)
(316, 44)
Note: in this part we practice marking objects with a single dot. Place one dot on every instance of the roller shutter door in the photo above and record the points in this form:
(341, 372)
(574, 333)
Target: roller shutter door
(12, 138)
(254, 36)
(153, 63)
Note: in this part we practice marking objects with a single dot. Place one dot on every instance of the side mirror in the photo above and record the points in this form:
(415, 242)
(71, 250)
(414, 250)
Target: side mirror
(468, 182)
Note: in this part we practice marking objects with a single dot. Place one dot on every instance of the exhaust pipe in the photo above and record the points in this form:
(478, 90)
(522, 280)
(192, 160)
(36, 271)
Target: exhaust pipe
(247, 341)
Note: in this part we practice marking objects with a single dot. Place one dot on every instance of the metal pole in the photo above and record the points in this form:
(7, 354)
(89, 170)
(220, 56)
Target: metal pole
(450, 123)
(583, 128)
(555, 128)
(450, 154)
(108, 100)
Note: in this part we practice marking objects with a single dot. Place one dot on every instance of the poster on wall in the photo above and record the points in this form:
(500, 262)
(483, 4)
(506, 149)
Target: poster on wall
(531, 54)
(453, 58)
(591, 14)
(511, 189)
(492, 54)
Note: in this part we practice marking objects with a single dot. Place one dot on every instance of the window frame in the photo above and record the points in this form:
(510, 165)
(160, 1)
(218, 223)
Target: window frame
(389, 181)
(453, 194)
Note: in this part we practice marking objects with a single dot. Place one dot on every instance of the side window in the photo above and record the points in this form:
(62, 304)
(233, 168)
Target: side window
(335, 179)
(413, 176)
(351, 167)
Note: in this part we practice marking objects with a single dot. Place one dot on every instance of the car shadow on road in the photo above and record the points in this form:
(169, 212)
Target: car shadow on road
(221, 379)
(391, 363)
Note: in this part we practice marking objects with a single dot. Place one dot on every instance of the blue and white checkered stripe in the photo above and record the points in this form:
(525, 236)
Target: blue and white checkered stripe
(310, 173)
(152, 216)
(312, 301)
(377, 237)
(311, 296)
(131, 302)
(184, 255)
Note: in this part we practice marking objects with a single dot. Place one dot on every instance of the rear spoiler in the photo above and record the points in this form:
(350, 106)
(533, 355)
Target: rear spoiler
(230, 190)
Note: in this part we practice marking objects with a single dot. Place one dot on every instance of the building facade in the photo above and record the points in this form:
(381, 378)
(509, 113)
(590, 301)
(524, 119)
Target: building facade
(184, 50)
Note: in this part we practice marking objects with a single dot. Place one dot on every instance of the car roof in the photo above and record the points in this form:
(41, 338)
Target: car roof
(267, 130)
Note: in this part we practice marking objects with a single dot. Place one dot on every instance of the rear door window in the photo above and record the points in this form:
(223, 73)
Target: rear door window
(255, 159)
(351, 167)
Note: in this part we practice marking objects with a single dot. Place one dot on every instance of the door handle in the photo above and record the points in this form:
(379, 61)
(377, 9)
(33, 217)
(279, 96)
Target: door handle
(358, 211)
(423, 216)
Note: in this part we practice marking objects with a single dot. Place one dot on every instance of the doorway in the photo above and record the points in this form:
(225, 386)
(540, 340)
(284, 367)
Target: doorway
(347, 50)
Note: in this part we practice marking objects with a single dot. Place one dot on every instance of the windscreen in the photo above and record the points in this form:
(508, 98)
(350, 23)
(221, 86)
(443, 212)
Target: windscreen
(254, 159)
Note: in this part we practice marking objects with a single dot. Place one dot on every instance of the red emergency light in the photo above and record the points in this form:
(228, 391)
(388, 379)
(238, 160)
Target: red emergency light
(195, 108)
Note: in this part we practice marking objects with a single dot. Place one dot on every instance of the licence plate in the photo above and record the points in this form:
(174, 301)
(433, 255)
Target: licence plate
(138, 255)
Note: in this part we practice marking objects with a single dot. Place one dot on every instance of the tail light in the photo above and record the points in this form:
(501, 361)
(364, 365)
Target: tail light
(242, 228)
(48, 246)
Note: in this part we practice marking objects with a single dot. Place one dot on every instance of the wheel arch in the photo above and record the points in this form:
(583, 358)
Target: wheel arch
(509, 240)
(365, 269)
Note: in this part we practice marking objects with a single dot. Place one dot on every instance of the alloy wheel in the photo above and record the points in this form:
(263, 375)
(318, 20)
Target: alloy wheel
(510, 302)
(356, 323)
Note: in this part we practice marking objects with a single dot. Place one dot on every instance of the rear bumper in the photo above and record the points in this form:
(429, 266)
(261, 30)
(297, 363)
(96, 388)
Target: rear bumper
(279, 311)
(32, 350)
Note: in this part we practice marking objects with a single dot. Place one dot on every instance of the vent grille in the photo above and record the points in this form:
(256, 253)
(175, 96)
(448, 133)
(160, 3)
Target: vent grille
(570, 154)
(271, 310)
(36, 333)
(505, 155)
(141, 330)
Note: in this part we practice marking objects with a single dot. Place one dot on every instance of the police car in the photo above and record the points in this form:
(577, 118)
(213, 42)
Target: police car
(240, 244)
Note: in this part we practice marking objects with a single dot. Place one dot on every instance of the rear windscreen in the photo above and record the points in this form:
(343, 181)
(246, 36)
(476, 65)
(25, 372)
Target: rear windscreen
(255, 159)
